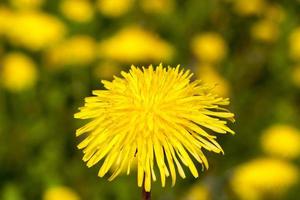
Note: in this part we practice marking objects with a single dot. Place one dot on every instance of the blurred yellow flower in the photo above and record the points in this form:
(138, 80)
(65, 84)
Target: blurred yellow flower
(296, 75)
(152, 113)
(114, 8)
(133, 44)
(78, 50)
(157, 6)
(6, 20)
(18, 72)
(26, 4)
(263, 177)
(289, 137)
(295, 44)
(106, 70)
(275, 13)
(60, 193)
(209, 47)
(265, 31)
(35, 30)
(198, 192)
(209, 74)
(77, 10)
(249, 7)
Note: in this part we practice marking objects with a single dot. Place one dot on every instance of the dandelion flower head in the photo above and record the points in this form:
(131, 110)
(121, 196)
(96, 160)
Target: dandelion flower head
(265, 31)
(209, 47)
(6, 18)
(114, 8)
(25, 30)
(157, 6)
(263, 177)
(18, 72)
(275, 13)
(77, 10)
(78, 50)
(294, 41)
(282, 141)
(198, 191)
(154, 115)
(26, 4)
(135, 44)
(249, 8)
(60, 192)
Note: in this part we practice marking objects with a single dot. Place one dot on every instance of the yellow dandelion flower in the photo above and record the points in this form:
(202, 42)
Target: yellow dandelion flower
(209, 47)
(153, 115)
(296, 76)
(26, 30)
(60, 193)
(265, 31)
(295, 44)
(26, 4)
(289, 137)
(114, 8)
(18, 72)
(78, 50)
(209, 74)
(133, 167)
(157, 6)
(6, 17)
(133, 44)
(198, 192)
(249, 8)
(263, 177)
(275, 13)
(77, 10)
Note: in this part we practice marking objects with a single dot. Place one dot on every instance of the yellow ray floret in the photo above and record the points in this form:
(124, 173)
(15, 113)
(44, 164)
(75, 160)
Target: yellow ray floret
(155, 115)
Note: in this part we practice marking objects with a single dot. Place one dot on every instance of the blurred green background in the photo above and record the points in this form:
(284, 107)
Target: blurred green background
(54, 53)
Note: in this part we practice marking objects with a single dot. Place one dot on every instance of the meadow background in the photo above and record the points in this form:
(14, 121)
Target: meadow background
(54, 53)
